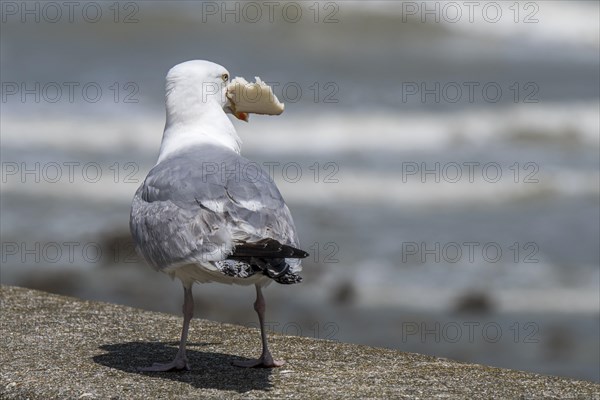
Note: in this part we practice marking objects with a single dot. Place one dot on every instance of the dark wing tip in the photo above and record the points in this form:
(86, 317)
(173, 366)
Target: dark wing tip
(293, 252)
(267, 248)
(302, 254)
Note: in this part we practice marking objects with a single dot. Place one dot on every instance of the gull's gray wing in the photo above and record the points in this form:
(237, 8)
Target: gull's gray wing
(198, 205)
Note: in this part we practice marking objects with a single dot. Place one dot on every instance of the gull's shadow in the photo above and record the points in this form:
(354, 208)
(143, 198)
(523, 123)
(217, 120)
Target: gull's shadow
(209, 370)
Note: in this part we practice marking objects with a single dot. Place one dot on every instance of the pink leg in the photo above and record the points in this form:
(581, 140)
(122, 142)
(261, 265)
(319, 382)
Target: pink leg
(180, 362)
(266, 359)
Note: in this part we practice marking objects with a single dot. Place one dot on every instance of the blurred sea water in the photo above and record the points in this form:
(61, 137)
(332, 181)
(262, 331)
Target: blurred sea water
(422, 212)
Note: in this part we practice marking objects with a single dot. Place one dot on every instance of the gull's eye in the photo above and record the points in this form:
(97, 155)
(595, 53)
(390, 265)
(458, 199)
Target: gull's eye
(225, 77)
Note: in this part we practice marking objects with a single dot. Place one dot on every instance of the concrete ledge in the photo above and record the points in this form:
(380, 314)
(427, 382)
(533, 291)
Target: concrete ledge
(60, 347)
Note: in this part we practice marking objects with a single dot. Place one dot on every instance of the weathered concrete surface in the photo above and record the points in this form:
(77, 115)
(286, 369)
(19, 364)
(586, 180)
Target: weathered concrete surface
(60, 347)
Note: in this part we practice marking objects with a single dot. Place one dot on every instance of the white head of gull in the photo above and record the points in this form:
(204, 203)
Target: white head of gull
(195, 219)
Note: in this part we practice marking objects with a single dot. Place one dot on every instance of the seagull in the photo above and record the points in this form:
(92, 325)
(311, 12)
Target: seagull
(204, 213)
